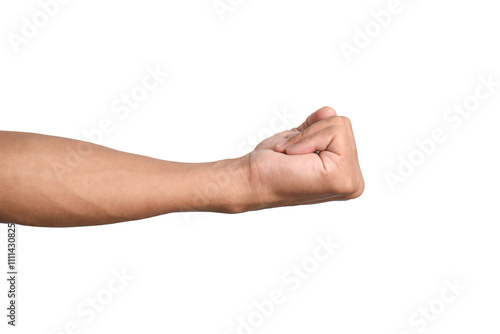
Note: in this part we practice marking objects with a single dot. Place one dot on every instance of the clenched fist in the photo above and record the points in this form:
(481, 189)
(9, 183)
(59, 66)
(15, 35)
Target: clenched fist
(315, 162)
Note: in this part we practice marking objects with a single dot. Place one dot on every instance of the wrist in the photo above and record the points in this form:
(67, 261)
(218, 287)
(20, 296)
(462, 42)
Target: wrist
(223, 186)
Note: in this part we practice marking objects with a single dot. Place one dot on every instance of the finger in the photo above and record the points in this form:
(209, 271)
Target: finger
(317, 116)
(331, 139)
(316, 127)
(353, 144)
(348, 126)
(270, 142)
(352, 141)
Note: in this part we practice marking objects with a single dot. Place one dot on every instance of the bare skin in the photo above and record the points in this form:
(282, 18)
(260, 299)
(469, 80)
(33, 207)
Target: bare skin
(59, 182)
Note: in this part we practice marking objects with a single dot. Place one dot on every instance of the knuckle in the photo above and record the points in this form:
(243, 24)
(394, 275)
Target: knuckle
(350, 183)
(359, 188)
(333, 120)
(347, 122)
(301, 135)
(350, 188)
(336, 120)
(347, 186)
(332, 129)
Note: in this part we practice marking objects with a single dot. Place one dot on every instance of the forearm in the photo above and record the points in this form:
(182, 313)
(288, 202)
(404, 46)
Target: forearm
(53, 181)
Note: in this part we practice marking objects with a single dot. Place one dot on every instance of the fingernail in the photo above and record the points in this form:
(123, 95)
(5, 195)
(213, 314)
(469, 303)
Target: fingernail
(281, 143)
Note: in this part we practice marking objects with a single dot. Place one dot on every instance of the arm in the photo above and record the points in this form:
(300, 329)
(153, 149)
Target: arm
(53, 181)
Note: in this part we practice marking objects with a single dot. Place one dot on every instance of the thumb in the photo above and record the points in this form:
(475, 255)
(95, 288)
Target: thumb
(316, 116)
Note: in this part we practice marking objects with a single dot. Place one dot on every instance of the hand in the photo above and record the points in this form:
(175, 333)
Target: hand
(313, 163)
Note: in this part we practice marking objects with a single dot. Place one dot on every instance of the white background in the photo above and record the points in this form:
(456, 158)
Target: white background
(197, 273)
